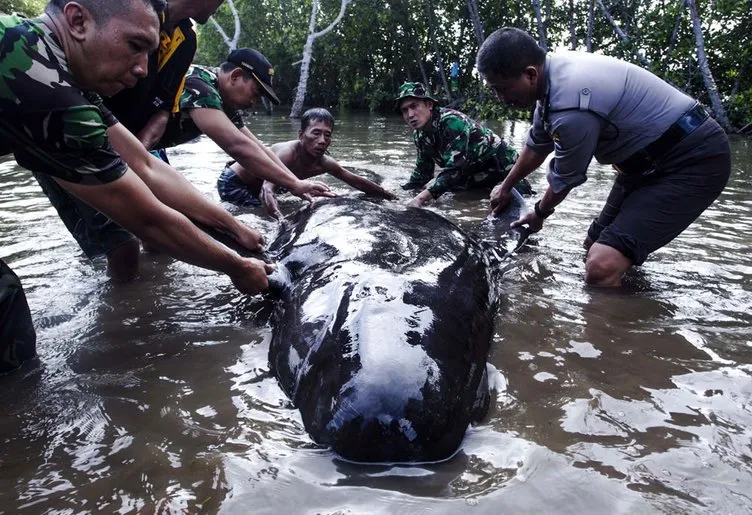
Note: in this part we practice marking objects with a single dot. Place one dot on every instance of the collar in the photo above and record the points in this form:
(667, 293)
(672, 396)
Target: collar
(435, 119)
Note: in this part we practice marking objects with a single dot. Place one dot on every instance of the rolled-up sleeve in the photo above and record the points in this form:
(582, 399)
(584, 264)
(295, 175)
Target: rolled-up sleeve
(575, 137)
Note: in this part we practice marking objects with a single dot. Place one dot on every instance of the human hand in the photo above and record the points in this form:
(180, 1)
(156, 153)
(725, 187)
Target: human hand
(533, 221)
(500, 199)
(388, 195)
(309, 189)
(420, 199)
(249, 238)
(413, 202)
(251, 278)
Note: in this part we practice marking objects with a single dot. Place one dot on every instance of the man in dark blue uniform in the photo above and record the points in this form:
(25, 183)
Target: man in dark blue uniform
(672, 159)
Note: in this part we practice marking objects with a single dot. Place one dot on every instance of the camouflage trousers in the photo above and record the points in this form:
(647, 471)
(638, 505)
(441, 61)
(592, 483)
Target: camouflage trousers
(18, 341)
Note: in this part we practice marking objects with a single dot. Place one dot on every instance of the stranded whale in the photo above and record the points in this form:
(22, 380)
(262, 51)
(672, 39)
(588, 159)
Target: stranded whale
(381, 334)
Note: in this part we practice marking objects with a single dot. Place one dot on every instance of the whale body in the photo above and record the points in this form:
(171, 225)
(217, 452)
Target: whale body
(381, 336)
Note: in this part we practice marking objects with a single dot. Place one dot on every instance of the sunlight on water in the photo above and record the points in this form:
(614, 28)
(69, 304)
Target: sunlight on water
(157, 396)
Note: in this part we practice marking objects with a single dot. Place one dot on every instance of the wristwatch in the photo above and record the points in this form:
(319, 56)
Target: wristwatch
(539, 213)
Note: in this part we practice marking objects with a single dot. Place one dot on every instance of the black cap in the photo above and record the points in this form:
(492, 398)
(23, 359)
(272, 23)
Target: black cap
(257, 65)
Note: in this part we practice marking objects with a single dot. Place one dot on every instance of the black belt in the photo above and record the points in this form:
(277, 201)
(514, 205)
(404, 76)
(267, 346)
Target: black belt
(643, 162)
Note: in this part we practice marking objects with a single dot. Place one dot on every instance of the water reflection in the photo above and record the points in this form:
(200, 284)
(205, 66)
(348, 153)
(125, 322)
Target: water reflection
(157, 397)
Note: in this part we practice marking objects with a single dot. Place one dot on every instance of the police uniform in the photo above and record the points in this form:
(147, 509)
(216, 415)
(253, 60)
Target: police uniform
(52, 127)
(673, 159)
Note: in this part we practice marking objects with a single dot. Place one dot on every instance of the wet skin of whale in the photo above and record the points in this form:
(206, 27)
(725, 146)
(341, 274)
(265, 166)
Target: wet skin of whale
(381, 336)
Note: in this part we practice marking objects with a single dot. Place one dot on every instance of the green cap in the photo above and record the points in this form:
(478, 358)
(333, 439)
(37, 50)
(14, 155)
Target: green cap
(412, 89)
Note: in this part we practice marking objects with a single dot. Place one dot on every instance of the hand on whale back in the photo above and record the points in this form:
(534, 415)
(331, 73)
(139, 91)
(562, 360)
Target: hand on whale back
(382, 335)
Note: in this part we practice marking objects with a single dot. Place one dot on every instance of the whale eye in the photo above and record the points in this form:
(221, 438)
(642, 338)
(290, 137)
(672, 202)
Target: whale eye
(413, 338)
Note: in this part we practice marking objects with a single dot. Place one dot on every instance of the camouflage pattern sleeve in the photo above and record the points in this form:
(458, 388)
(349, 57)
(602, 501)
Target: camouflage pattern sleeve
(456, 133)
(46, 120)
(107, 117)
(510, 156)
(201, 90)
(454, 156)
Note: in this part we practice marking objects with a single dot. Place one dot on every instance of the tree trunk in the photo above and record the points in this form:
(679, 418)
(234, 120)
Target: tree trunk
(437, 50)
(472, 8)
(305, 66)
(572, 29)
(419, 60)
(590, 23)
(541, 27)
(621, 34)
(702, 59)
(675, 33)
(232, 44)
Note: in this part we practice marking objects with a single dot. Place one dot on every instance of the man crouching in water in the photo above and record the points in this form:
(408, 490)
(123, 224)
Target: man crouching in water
(306, 157)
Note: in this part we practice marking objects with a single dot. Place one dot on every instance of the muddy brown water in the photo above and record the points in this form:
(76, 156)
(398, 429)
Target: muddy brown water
(156, 396)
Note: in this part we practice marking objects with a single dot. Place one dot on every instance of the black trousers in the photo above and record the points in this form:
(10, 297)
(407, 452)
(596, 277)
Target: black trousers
(18, 340)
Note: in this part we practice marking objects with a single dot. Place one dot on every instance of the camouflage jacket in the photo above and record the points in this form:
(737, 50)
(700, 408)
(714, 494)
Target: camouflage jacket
(455, 143)
(47, 121)
(201, 91)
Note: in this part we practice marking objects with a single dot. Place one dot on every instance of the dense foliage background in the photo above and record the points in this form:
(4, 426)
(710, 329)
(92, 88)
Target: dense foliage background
(27, 7)
(381, 43)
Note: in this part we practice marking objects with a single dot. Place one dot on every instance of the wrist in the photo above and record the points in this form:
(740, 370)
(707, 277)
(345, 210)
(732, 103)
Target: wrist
(540, 213)
(233, 264)
(296, 187)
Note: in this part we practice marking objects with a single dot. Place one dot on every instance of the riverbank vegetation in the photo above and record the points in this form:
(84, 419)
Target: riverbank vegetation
(702, 47)
(354, 54)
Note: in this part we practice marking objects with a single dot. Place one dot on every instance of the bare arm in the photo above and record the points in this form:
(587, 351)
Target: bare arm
(269, 200)
(130, 203)
(356, 181)
(251, 154)
(172, 189)
(420, 199)
(154, 129)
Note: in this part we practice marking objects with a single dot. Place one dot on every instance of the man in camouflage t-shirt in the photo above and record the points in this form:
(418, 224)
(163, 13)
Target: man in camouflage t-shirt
(52, 70)
(211, 104)
(144, 110)
(470, 155)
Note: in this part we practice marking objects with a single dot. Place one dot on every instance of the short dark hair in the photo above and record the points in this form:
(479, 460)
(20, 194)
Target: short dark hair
(507, 52)
(228, 67)
(316, 114)
(103, 10)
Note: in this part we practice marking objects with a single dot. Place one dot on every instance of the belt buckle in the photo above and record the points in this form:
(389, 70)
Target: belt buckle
(692, 119)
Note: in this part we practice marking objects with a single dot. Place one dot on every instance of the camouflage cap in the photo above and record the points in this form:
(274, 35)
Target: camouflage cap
(412, 89)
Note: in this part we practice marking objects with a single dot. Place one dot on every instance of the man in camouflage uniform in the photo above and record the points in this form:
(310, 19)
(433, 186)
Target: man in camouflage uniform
(472, 156)
(211, 104)
(52, 71)
(144, 110)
